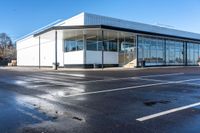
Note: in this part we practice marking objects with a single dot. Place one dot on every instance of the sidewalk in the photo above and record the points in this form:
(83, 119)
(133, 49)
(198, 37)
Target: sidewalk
(16, 68)
(83, 69)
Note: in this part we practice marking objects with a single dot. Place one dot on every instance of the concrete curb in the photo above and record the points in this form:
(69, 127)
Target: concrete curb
(81, 69)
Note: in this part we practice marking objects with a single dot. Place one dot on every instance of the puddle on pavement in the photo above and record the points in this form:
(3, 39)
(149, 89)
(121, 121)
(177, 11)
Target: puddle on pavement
(154, 102)
(14, 115)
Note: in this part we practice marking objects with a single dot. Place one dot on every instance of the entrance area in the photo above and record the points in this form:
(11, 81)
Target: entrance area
(127, 50)
(127, 55)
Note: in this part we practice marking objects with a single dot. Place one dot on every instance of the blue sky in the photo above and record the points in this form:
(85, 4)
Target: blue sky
(19, 17)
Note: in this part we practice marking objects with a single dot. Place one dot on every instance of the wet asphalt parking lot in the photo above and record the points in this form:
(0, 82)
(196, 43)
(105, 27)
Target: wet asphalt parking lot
(157, 100)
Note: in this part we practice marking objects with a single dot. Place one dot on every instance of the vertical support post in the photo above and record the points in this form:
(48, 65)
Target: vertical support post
(165, 52)
(118, 48)
(102, 53)
(84, 49)
(137, 48)
(124, 49)
(185, 53)
(118, 45)
(39, 54)
(56, 54)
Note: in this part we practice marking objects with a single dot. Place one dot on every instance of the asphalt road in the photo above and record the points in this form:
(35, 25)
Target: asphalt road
(162, 100)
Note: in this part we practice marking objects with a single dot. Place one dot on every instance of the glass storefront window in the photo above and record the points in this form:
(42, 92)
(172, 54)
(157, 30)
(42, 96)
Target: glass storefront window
(94, 40)
(174, 52)
(110, 40)
(91, 37)
(113, 46)
(156, 51)
(151, 50)
(193, 53)
(73, 41)
(92, 44)
(99, 45)
(73, 45)
(80, 45)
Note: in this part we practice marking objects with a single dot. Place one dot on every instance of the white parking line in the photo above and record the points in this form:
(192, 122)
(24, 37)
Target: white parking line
(55, 82)
(161, 75)
(66, 74)
(114, 79)
(187, 80)
(51, 78)
(180, 81)
(117, 89)
(104, 80)
(132, 87)
(145, 118)
(194, 84)
(155, 80)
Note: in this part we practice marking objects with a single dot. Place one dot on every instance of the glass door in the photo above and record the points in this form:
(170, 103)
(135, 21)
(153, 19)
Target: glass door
(127, 54)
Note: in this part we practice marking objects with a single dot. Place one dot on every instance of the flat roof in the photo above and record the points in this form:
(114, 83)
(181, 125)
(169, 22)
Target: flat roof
(88, 20)
(111, 28)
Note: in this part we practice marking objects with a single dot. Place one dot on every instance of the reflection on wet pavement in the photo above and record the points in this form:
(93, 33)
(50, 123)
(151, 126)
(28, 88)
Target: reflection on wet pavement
(14, 115)
(36, 102)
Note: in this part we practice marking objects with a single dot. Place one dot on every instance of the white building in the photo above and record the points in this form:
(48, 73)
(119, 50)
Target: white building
(86, 40)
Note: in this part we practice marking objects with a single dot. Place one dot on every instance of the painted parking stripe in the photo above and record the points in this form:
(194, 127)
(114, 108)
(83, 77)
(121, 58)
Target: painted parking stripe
(132, 87)
(104, 80)
(161, 75)
(66, 74)
(114, 79)
(117, 89)
(55, 81)
(154, 80)
(38, 79)
(194, 84)
(187, 80)
(145, 118)
(51, 78)
(73, 75)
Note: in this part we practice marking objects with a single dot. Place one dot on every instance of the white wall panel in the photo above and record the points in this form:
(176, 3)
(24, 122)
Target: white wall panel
(75, 57)
(60, 49)
(76, 20)
(47, 48)
(95, 57)
(28, 52)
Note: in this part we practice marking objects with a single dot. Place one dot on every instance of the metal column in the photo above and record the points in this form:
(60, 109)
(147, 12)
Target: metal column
(165, 52)
(56, 54)
(102, 53)
(39, 54)
(84, 50)
(137, 49)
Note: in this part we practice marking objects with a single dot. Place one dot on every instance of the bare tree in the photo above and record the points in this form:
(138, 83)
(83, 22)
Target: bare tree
(7, 49)
(5, 41)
